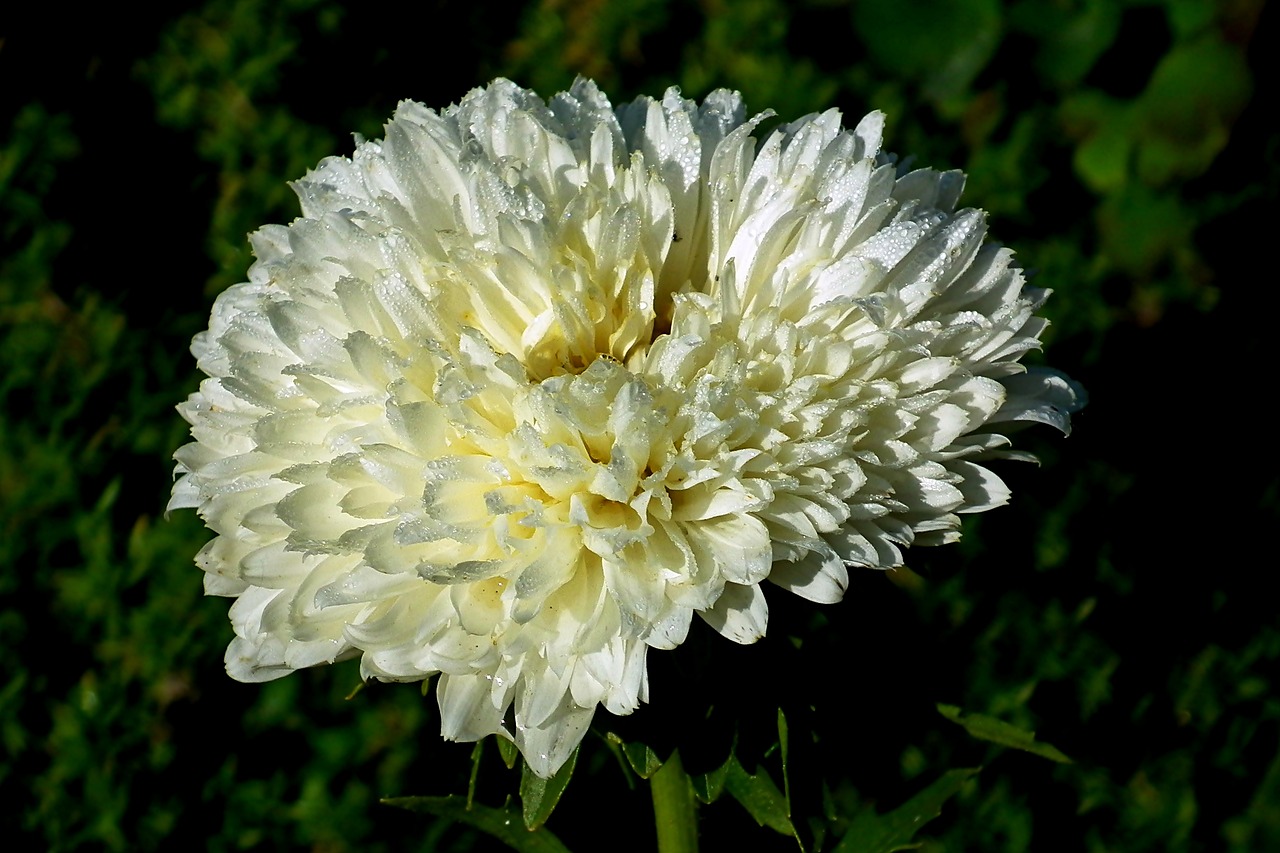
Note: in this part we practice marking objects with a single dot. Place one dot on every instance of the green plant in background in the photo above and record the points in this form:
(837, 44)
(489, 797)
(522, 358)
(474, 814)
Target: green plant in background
(1150, 663)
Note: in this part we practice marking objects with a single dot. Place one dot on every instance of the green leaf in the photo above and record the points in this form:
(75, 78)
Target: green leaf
(1259, 827)
(1141, 229)
(1070, 37)
(1186, 113)
(1104, 129)
(675, 810)
(643, 760)
(476, 753)
(759, 796)
(1102, 160)
(885, 833)
(782, 744)
(503, 824)
(943, 43)
(708, 787)
(508, 750)
(998, 731)
(540, 796)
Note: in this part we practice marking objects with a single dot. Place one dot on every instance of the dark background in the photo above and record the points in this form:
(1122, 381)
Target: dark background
(1121, 606)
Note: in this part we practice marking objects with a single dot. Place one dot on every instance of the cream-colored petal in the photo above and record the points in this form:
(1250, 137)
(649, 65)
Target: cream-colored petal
(531, 382)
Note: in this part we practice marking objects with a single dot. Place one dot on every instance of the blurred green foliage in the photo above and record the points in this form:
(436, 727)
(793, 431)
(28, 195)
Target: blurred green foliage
(1127, 150)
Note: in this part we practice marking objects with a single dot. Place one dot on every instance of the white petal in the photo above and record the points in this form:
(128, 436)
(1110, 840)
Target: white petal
(740, 614)
(549, 745)
(467, 711)
(819, 577)
(532, 381)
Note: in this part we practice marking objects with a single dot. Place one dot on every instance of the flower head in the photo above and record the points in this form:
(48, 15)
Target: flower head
(530, 384)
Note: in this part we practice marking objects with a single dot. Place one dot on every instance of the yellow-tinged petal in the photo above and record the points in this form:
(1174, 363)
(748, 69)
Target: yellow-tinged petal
(531, 383)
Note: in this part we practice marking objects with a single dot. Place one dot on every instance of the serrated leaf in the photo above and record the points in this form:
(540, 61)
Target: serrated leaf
(708, 787)
(643, 760)
(539, 796)
(885, 833)
(503, 824)
(998, 731)
(759, 796)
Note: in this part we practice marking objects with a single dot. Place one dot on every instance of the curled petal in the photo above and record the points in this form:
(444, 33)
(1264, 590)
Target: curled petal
(532, 382)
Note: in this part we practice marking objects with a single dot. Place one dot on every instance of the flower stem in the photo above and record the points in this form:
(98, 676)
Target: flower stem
(674, 809)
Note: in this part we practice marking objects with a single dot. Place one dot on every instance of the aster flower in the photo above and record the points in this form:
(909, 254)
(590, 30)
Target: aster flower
(530, 384)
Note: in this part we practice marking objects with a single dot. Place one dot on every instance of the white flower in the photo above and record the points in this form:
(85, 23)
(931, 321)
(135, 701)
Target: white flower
(530, 384)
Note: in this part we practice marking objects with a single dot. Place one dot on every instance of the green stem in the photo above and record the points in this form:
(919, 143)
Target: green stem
(674, 809)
